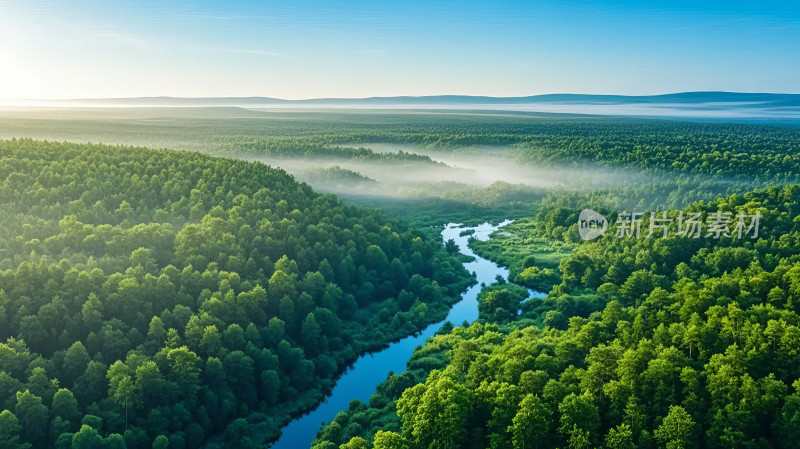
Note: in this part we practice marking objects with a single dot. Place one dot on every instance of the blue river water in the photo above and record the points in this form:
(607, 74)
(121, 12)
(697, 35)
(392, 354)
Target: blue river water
(360, 381)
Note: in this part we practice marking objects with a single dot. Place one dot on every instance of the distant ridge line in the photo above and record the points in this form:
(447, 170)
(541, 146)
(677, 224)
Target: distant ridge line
(699, 97)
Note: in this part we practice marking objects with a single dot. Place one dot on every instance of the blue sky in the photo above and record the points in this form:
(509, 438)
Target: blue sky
(307, 49)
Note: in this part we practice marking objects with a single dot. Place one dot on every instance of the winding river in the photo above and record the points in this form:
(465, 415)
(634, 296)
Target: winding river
(360, 381)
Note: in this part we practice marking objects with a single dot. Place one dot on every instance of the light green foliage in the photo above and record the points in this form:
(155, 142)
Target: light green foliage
(180, 290)
(501, 302)
(677, 429)
(698, 349)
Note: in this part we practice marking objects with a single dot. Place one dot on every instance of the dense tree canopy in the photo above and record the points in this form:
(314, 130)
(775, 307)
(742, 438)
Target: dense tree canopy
(157, 298)
(665, 343)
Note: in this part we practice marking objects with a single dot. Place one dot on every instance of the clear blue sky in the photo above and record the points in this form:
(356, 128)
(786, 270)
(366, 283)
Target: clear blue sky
(304, 49)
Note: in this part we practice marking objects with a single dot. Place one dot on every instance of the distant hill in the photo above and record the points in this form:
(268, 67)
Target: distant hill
(683, 98)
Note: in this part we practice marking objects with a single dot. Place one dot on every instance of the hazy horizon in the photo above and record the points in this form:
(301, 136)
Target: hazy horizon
(328, 49)
(399, 95)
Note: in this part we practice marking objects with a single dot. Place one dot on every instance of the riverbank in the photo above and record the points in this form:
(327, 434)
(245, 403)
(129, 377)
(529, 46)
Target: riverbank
(360, 381)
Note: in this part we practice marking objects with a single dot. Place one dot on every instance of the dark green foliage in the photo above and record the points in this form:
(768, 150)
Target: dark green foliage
(183, 299)
(161, 298)
(685, 344)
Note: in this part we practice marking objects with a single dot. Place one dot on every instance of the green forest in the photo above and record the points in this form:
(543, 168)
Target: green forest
(644, 343)
(164, 299)
(205, 294)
